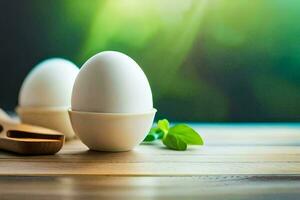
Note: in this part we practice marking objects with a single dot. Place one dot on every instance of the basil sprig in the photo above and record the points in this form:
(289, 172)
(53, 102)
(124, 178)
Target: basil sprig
(177, 137)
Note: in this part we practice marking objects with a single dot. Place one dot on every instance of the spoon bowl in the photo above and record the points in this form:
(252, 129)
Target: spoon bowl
(27, 139)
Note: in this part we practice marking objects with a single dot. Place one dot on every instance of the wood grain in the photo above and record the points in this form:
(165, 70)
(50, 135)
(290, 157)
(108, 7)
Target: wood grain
(191, 187)
(237, 162)
(229, 150)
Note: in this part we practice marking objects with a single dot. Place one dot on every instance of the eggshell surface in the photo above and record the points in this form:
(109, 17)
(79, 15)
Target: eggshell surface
(111, 82)
(49, 84)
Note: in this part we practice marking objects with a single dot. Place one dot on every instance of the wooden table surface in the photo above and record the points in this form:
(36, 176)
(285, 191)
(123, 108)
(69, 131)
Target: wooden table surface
(249, 161)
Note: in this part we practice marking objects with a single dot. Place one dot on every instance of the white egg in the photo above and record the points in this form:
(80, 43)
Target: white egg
(111, 82)
(49, 84)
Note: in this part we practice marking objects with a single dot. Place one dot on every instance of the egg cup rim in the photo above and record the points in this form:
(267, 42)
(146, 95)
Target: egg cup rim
(41, 108)
(70, 111)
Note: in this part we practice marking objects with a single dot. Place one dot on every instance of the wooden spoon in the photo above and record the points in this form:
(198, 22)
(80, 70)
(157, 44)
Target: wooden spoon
(27, 139)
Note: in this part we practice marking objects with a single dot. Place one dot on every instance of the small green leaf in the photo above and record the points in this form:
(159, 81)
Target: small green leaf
(176, 137)
(174, 142)
(154, 134)
(163, 125)
(186, 134)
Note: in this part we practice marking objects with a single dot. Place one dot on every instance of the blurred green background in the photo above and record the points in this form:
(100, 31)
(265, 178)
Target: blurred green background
(206, 60)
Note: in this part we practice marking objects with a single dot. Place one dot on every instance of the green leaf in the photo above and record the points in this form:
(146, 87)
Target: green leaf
(174, 142)
(160, 134)
(154, 134)
(176, 137)
(186, 134)
(163, 125)
(154, 130)
(150, 137)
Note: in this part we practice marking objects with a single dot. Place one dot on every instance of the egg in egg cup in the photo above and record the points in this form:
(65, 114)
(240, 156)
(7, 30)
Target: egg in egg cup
(112, 108)
(45, 95)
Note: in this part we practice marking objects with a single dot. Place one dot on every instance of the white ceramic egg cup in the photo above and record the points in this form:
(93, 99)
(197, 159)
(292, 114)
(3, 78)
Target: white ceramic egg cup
(111, 131)
(55, 118)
